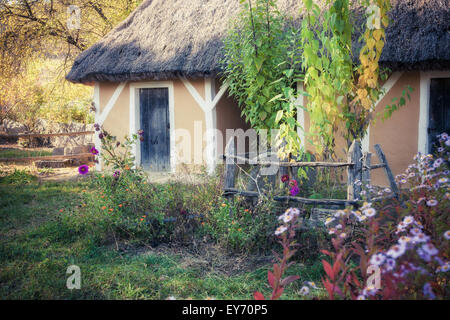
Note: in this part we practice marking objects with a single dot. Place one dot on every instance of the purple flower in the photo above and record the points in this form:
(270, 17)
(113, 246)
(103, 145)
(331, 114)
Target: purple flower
(83, 170)
(116, 174)
(294, 191)
(141, 132)
(428, 291)
(390, 264)
(94, 151)
(100, 136)
(437, 163)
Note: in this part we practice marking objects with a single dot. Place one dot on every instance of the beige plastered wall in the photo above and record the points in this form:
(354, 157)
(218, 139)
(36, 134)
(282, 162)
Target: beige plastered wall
(398, 136)
(188, 116)
(228, 116)
(186, 113)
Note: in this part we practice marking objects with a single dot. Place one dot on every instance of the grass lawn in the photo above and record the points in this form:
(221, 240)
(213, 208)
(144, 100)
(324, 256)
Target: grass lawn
(36, 249)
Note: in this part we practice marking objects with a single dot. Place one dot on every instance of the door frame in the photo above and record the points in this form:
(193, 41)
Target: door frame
(135, 116)
(424, 117)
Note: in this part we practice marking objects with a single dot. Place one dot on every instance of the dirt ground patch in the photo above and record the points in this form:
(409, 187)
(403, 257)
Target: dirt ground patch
(208, 258)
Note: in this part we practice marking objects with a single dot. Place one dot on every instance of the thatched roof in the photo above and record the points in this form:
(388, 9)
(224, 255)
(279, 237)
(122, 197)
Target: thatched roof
(165, 38)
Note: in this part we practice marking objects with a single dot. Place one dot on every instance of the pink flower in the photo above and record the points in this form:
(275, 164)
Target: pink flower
(83, 170)
(94, 151)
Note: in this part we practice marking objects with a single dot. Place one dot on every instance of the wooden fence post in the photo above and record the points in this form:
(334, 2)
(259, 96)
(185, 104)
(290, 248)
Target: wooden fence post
(230, 164)
(354, 172)
(387, 169)
(366, 171)
(230, 168)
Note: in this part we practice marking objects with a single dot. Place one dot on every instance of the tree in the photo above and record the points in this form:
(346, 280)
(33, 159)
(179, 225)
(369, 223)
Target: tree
(33, 31)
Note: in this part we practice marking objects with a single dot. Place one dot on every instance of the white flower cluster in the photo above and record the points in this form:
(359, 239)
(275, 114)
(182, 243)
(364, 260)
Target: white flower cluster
(287, 217)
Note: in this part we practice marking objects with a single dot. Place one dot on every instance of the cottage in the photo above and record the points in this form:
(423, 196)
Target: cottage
(158, 71)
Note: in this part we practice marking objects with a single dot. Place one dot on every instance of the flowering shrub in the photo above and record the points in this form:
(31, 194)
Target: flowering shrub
(115, 154)
(396, 249)
(124, 206)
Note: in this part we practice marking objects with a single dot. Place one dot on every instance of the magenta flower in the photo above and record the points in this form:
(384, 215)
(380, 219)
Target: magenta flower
(116, 174)
(83, 170)
(285, 178)
(294, 191)
(293, 183)
(94, 151)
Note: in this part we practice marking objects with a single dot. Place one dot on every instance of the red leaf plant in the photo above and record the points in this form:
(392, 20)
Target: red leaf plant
(398, 248)
(286, 234)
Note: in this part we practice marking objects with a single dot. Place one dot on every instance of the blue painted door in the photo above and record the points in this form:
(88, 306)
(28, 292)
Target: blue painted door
(154, 114)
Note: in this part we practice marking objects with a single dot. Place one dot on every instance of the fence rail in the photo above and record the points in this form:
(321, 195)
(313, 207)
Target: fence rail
(358, 172)
(47, 135)
(245, 160)
(48, 158)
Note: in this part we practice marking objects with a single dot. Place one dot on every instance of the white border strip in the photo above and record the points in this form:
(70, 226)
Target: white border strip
(219, 95)
(390, 83)
(98, 143)
(135, 117)
(194, 93)
(208, 105)
(111, 102)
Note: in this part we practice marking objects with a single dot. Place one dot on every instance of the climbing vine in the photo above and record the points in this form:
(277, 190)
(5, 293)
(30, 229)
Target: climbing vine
(265, 56)
(341, 94)
(261, 66)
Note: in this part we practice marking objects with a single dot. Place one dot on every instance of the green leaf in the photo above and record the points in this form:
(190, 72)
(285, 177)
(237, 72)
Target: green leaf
(276, 98)
(289, 73)
(279, 116)
(263, 115)
(260, 80)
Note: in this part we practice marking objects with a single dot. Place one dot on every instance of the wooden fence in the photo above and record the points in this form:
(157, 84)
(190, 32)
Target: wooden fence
(358, 172)
(47, 135)
(48, 158)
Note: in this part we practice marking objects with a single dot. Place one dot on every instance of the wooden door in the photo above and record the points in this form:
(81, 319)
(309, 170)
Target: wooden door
(439, 121)
(155, 121)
